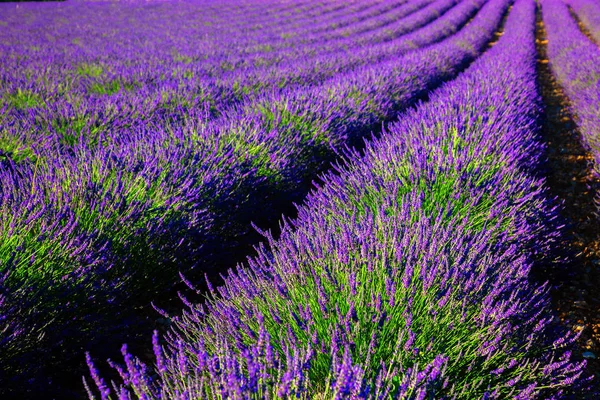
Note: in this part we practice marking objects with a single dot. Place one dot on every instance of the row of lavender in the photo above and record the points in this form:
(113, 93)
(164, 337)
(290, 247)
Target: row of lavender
(406, 275)
(129, 44)
(276, 137)
(575, 60)
(219, 40)
(209, 36)
(156, 42)
(87, 98)
(87, 230)
(19, 299)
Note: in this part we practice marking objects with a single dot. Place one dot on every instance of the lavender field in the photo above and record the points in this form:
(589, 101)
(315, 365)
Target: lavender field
(277, 199)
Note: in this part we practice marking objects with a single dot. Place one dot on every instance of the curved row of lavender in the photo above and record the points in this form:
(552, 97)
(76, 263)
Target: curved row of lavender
(333, 34)
(575, 61)
(415, 30)
(405, 276)
(385, 27)
(161, 46)
(588, 13)
(219, 40)
(144, 94)
(129, 44)
(93, 229)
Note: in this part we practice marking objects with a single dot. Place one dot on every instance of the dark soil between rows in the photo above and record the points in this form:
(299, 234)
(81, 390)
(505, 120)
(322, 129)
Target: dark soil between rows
(582, 26)
(575, 294)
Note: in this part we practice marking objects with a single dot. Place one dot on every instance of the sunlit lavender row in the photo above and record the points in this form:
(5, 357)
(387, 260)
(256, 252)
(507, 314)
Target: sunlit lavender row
(145, 144)
(133, 212)
(405, 274)
(144, 94)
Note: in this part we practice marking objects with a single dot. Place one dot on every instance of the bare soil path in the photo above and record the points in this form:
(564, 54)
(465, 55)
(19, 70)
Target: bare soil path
(576, 288)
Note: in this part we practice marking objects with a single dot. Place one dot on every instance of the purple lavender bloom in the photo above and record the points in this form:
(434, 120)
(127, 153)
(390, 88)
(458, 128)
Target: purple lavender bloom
(447, 206)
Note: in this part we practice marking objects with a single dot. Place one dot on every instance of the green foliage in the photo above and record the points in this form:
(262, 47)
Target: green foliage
(111, 87)
(15, 149)
(182, 58)
(90, 69)
(23, 99)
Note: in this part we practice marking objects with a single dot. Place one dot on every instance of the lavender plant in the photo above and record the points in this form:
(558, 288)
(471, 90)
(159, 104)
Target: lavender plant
(405, 275)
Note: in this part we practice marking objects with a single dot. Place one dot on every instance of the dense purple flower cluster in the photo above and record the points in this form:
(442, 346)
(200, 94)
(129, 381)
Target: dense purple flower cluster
(108, 214)
(148, 88)
(142, 140)
(575, 60)
(406, 274)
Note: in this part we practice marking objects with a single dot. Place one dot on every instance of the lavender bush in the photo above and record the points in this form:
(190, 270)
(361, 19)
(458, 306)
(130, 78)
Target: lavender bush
(405, 275)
